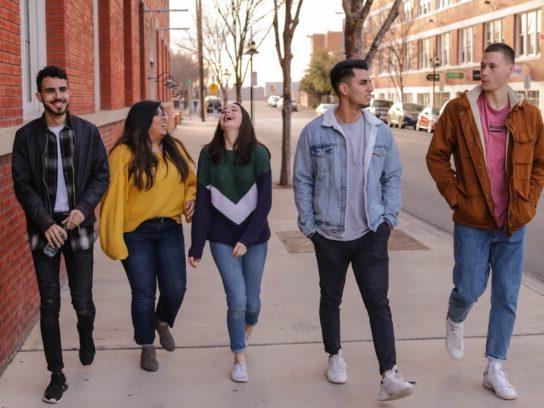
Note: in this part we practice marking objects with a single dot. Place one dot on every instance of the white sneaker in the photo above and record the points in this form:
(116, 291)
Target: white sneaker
(336, 371)
(495, 380)
(239, 373)
(393, 386)
(454, 339)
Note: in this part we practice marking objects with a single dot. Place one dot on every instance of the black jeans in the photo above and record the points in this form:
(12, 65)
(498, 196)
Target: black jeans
(370, 261)
(79, 266)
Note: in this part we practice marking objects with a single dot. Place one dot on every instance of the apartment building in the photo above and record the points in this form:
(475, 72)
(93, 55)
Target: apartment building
(441, 42)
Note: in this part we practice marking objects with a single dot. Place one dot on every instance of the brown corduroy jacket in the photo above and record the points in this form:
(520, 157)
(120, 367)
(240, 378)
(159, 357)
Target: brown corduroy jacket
(466, 187)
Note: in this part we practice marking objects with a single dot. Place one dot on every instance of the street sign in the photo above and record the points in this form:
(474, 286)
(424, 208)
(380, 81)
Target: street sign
(455, 75)
(433, 77)
(476, 75)
(213, 88)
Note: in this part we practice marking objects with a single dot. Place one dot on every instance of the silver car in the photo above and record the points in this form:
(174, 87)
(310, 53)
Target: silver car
(379, 108)
(403, 114)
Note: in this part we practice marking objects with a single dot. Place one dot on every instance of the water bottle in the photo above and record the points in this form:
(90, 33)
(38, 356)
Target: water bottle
(50, 250)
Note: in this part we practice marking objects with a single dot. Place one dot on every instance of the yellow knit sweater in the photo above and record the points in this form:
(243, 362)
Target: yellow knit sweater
(124, 207)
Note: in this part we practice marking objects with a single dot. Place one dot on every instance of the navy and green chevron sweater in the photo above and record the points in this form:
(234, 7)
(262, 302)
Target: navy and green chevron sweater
(232, 201)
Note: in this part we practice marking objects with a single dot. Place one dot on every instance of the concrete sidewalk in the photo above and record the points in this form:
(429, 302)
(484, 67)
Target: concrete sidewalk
(286, 361)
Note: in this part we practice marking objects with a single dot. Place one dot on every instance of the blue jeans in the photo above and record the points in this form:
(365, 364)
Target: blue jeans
(156, 252)
(242, 282)
(475, 251)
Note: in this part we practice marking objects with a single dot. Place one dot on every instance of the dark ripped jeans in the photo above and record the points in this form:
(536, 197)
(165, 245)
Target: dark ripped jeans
(79, 266)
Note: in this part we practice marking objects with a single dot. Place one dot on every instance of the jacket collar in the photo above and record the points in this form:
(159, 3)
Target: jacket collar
(514, 98)
(329, 118)
(69, 123)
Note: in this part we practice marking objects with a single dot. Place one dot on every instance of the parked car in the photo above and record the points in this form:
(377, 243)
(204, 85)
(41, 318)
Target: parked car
(379, 107)
(403, 114)
(322, 107)
(273, 100)
(427, 119)
(294, 104)
(211, 103)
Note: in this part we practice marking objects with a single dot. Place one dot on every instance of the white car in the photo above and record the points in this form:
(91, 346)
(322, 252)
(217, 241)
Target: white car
(273, 100)
(322, 107)
(294, 105)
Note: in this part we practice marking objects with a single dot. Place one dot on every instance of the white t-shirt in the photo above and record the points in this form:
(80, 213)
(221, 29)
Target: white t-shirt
(61, 200)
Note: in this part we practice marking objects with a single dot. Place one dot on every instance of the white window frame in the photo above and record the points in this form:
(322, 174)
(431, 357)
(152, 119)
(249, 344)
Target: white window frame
(408, 8)
(408, 57)
(443, 45)
(524, 35)
(34, 57)
(466, 45)
(441, 4)
(424, 7)
(494, 31)
(425, 53)
(96, 50)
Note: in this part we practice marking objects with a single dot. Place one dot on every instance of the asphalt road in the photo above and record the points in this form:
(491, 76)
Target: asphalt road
(420, 196)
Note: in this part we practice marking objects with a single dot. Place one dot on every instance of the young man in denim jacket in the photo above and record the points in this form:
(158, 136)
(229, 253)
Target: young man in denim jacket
(347, 185)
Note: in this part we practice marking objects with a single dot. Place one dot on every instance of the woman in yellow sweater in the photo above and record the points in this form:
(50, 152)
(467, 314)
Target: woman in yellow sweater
(152, 184)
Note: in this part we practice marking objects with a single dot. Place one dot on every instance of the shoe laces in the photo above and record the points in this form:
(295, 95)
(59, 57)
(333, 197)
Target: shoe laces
(456, 330)
(338, 362)
(502, 378)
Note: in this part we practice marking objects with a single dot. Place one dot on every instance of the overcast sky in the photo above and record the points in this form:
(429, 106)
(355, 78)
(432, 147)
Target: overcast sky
(317, 16)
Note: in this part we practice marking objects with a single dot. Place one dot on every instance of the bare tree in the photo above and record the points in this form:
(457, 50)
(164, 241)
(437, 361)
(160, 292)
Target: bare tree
(241, 17)
(285, 57)
(398, 55)
(184, 69)
(357, 12)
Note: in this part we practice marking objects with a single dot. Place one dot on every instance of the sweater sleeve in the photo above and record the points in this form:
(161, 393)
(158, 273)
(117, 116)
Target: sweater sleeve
(203, 207)
(113, 206)
(261, 163)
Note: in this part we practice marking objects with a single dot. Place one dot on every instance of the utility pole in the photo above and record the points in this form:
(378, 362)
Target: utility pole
(200, 58)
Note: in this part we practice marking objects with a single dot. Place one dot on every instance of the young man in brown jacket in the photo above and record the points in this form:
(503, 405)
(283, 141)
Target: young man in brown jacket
(497, 142)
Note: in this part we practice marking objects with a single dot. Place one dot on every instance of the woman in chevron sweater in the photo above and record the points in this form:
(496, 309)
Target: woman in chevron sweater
(233, 199)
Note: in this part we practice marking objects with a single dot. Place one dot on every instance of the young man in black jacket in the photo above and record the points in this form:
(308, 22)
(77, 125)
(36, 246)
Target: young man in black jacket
(60, 172)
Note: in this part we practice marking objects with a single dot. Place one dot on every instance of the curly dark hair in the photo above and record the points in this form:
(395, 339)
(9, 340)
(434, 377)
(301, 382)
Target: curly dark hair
(51, 71)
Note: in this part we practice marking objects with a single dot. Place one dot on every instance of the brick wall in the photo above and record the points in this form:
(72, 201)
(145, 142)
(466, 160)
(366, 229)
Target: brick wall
(10, 64)
(69, 31)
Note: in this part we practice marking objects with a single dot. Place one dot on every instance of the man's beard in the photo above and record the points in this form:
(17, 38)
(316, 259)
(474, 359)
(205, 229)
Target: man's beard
(54, 111)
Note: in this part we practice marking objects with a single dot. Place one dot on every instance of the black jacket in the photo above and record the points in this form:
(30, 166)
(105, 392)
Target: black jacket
(90, 167)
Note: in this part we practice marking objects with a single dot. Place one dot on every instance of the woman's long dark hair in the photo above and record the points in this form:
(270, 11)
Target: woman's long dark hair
(135, 135)
(243, 147)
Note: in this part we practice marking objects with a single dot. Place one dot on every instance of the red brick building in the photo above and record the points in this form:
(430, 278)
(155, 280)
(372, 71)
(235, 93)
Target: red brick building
(116, 52)
(456, 32)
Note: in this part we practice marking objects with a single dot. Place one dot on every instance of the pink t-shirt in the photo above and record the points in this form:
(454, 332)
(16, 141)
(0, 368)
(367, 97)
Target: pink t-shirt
(495, 133)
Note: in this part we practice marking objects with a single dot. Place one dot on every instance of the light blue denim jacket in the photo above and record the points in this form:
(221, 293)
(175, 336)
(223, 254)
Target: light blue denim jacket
(320, 175)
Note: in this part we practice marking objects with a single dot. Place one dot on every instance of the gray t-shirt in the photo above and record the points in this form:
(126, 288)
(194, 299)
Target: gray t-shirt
(61, 199)
(356, 223)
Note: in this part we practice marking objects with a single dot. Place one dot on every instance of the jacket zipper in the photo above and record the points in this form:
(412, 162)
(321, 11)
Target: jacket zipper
(43, 172)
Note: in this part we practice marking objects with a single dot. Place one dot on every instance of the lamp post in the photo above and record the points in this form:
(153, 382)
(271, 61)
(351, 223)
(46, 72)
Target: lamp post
(251, 51)
(435, 62)
(226, 74)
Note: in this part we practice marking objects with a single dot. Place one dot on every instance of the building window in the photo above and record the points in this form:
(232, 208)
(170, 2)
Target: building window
(440, 4)
(408, 10)
(443, 48)
(381, 62)
(408, 56)
(494, 31)
(528, 28)
(424, 6)
(33, 55)
(424, 53)
(441, 98)
(466, 45)
(407, 98)
(424, 99)
(532, 97)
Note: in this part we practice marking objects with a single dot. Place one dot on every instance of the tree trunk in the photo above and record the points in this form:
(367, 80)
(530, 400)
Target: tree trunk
(238, 92)
(285, 173)
(353, 41)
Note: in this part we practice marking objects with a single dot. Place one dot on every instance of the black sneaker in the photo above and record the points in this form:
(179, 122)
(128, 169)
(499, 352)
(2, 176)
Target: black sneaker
(55, 389)
(86, 349)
